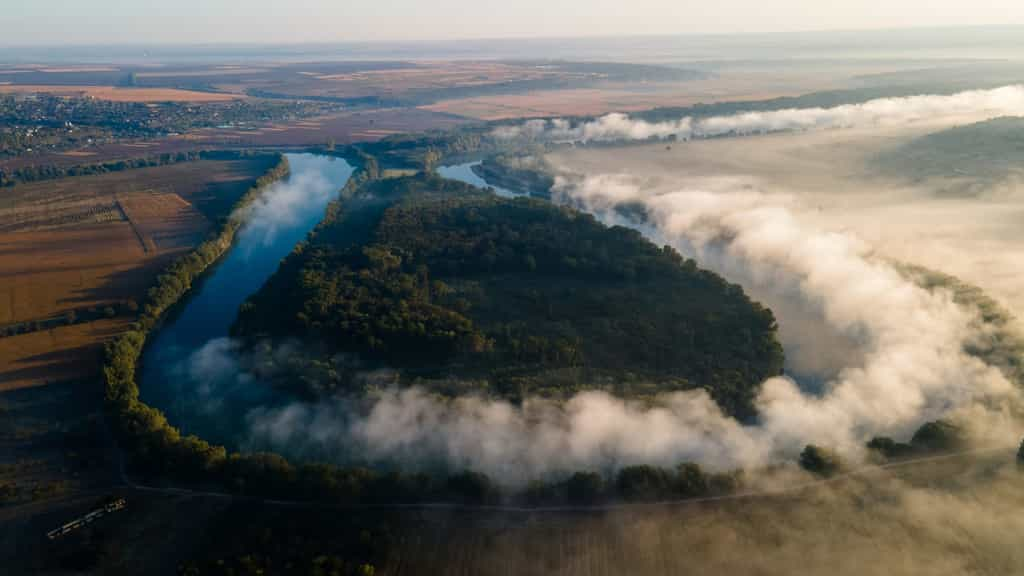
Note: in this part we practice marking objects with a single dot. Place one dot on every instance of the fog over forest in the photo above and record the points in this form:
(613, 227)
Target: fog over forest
(802, 220)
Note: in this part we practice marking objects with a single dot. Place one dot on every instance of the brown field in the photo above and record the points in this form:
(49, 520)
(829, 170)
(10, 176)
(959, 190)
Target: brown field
(80, 245)
(343, 128)
(218, 71)
(80, 69)
(426, 75)
(86, 243)
(118, 94)
(69, 354)
(629, 98)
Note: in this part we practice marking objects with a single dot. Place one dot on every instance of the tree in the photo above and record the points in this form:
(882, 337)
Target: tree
(472, 487)
(690, 480)
(584, 487)
(889, 448)
(938, 436)
(820, 461)
(430, 159)
(642, 483)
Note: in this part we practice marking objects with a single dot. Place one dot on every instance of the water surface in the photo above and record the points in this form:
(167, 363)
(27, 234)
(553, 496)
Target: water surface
(182, 357)
(464, 173)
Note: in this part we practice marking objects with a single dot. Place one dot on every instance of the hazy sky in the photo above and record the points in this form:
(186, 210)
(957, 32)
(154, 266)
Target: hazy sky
(189, 21)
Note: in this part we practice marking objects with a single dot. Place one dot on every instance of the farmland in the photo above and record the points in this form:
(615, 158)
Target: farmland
(77, 254)
(90, 241)
(119, 94)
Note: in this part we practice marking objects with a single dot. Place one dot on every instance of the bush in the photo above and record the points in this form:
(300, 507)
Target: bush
(939, 436)
(820, 461)
(642, 483)
(472, 488)
(889, 448)
(585, 488)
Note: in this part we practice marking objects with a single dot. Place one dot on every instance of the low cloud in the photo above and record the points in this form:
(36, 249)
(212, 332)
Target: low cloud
(1005, 101)
(910, 366)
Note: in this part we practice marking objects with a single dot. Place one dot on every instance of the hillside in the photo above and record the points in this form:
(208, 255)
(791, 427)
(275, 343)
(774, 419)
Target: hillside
(461, 291)
(962, 160)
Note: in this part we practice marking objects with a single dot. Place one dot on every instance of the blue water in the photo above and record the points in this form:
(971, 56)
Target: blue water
(191, 370)
(464, 173)
(275, 223)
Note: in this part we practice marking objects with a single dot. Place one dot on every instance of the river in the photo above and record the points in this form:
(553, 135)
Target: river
(187, 369)
(464, 172)
(175, 365)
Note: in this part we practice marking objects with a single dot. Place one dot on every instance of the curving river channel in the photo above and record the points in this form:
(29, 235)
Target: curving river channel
(177, 374)
(186, 369)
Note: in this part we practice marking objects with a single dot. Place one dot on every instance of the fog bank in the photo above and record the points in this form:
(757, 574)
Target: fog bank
(1004, 101)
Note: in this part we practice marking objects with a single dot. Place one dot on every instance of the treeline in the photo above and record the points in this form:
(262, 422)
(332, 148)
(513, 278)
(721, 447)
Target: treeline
(426, 151)
(72, 317)
(52, 171)
(143, 430)
(936, 437)
(159, 450)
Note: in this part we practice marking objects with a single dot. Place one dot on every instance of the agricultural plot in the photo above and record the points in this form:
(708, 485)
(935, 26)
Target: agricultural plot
(76, 257)
(78, 245)
(119, 94)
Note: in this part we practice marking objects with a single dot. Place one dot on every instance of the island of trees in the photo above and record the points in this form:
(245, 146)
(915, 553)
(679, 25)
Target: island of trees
(461, 291)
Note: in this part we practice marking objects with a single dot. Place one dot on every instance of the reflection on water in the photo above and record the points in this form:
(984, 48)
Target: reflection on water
(275, 223)
(464, 173)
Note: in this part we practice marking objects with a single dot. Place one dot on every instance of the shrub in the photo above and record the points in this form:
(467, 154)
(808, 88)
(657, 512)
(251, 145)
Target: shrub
(939, 436)
(820, 461)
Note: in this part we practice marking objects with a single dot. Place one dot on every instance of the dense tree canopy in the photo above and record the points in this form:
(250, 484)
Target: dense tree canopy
(456, 287)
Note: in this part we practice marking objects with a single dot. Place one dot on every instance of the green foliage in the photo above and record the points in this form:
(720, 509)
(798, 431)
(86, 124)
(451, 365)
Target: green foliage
(638, 483)
(930, 438)
(585, 488)
(642, 482)
(425, 151)
(820, 461)
(889, 448)
(158, 449)
(939, 436)
(440, 280)
(472, 488)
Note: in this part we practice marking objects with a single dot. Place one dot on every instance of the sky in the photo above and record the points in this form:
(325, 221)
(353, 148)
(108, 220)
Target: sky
(46, 22)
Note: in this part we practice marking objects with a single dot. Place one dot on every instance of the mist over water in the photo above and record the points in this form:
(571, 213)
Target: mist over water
(870, 352)
(181, 354)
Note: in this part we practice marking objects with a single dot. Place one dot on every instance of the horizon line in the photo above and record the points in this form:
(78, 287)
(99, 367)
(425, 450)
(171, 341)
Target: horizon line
(512, 38)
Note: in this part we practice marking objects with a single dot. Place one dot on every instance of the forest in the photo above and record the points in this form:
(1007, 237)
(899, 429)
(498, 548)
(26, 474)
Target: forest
(435, 257)
(462, 291)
